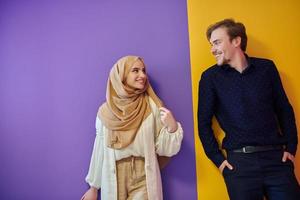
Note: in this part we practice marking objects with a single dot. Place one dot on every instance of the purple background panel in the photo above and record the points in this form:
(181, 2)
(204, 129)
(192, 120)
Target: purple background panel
(54, 62)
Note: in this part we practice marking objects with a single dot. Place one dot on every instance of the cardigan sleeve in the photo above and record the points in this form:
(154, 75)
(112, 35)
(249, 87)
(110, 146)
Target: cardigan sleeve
(94, 175)
(166, 143)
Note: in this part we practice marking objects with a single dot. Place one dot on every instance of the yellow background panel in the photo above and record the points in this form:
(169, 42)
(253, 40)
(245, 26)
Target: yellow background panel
(273, 32)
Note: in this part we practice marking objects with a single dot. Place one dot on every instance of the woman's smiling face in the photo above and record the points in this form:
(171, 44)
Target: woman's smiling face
(137, 76)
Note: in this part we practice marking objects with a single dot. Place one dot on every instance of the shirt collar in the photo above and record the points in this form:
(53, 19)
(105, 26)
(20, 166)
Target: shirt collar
(227, 67)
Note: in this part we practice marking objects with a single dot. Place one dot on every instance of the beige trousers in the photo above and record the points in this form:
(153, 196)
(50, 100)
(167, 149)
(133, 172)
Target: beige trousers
(131, 179)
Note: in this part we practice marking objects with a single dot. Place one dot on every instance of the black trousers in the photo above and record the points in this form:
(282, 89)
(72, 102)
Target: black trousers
(260, 174)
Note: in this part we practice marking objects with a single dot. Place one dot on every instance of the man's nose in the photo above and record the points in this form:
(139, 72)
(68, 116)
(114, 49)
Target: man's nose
(213, 49)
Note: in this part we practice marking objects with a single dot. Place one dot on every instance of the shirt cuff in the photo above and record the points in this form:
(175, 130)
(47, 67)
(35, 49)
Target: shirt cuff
(291, 148)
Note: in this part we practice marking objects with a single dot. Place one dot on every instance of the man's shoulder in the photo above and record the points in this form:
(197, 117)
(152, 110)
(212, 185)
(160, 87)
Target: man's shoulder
(260, 61)
(211, 70)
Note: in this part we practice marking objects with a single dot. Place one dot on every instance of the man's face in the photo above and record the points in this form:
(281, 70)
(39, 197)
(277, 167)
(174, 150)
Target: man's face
(221, 46)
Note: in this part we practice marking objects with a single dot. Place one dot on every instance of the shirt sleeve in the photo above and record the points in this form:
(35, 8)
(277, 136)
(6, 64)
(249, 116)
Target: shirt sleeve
(284, 111)
(206, 111)
(166, 143)
(94, 175)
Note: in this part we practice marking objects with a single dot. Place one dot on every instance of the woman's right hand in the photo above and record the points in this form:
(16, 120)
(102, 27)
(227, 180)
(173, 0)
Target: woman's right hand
(91, 194)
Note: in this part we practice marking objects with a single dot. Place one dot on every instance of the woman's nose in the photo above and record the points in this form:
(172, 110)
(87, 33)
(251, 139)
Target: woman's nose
(142, 74)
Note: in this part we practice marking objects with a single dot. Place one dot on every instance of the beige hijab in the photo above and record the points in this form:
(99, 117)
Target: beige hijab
(125, 108)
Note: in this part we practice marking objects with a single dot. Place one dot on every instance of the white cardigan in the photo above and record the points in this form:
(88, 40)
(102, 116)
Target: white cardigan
(102, 170)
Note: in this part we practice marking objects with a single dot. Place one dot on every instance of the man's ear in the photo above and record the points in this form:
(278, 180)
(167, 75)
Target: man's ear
(237, 41)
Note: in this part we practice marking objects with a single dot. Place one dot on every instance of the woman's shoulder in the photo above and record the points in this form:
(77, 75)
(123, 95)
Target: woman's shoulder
(153, 106)
(152, 103)
(99, 123)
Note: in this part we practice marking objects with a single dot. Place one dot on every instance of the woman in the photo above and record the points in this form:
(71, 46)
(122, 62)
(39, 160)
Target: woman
(132, 128)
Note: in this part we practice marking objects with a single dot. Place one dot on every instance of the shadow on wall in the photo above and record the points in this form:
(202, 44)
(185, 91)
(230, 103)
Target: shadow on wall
(170, 173)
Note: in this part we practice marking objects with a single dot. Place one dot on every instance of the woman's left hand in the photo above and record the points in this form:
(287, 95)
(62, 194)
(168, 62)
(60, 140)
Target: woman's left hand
(168, 119)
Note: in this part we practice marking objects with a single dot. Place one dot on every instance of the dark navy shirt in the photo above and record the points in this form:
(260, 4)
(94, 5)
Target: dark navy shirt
(251, 107)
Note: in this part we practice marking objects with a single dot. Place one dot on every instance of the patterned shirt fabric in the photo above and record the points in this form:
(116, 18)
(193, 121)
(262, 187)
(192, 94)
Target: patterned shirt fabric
(251, 107)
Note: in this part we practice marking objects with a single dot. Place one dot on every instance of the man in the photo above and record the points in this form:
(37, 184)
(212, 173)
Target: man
(246, 96)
